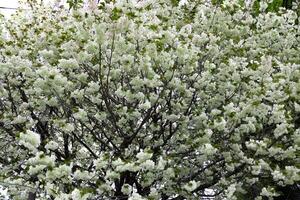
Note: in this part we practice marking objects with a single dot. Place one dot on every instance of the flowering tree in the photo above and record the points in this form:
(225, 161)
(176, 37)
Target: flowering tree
(150, 100)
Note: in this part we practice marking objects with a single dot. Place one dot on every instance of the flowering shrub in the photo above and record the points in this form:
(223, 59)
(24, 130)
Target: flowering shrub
(150, 100)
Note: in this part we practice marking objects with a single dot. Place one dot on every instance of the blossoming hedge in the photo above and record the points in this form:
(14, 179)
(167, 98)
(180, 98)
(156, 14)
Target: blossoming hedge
(151, 99)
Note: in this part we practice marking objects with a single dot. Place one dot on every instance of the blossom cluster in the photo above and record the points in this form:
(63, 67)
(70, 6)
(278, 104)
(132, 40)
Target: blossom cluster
(153, 99)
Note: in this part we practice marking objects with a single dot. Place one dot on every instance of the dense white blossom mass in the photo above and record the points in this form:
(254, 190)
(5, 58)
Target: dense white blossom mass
(153, 99)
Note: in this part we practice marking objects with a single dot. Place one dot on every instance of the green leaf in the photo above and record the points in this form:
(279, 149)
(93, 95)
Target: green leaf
(116, 14)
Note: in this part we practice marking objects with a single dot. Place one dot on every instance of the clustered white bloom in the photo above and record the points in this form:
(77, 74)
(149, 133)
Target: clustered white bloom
(154, 99)
(191, 186)
(30, 140)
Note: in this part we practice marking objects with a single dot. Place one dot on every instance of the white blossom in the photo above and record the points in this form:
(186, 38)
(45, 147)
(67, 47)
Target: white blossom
(192, 185)
(30, 140)
(150, 99)
(148, 165)
(52, 145)
(76, 194)
(143, 156)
